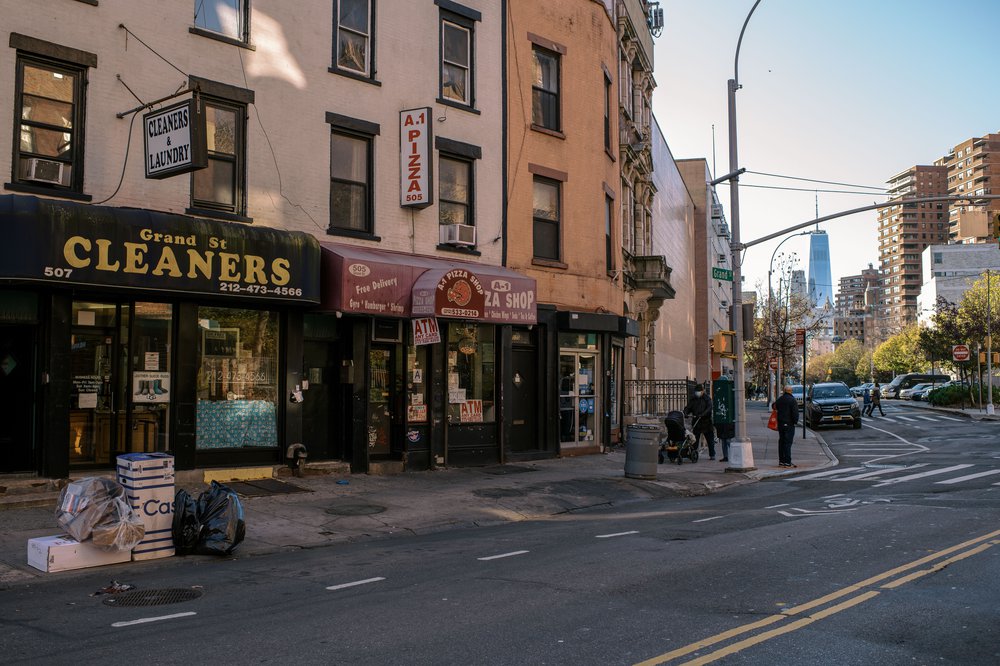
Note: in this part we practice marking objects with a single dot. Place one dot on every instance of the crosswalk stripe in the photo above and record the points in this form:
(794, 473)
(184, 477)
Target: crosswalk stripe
(907, 418)
(884, 418)
(879, 472)
(927, 418)
(969, 477)
(949, 418)
(819, 475)
(933, 472)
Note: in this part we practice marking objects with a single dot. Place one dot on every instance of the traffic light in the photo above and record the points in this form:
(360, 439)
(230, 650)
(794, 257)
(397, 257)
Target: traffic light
(724, 344)
(995, 359)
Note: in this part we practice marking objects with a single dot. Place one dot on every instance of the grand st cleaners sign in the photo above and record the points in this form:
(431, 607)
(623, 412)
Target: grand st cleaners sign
(81, 245)
(175, 140)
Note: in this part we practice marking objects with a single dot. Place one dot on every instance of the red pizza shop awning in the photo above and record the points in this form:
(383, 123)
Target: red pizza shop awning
(361, 280)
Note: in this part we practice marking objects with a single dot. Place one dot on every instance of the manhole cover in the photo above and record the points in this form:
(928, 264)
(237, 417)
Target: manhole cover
(152, 597)
(355, 509)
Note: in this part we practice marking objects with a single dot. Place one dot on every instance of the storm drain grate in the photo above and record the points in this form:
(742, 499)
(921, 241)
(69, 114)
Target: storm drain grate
(152, 597)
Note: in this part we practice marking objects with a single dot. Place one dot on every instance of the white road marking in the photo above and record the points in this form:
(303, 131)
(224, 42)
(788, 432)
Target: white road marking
(969, 477)
(704, 520)
(884, 418)
(775, 506)
(949, 418)
(880, 472)
(357, 582)
(933, 472)
(144, 620)
(818, 475)
(806, 513)
(907, 418)
(616, 534)
(927, 418)
(497, 557)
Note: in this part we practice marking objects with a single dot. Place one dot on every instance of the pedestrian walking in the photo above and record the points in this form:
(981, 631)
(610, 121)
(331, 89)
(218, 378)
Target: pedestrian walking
(699, 407)
(876, 401)
(787, 409)
(867, 400)
(725, 432)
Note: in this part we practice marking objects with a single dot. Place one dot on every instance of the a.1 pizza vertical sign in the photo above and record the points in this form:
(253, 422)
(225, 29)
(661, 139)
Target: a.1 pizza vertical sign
(416, 180)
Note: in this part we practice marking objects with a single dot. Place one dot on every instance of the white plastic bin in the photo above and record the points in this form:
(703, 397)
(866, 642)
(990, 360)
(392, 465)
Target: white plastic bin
(148, 479)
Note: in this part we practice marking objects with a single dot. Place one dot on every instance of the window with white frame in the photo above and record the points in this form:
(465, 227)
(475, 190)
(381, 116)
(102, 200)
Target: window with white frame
(353, 33)
(229, 18)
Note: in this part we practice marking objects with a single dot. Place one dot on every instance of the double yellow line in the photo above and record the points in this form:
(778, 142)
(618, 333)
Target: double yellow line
(964, 550)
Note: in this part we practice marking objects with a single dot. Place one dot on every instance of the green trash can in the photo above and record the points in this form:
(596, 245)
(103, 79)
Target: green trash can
(723, 401)
(641, 451)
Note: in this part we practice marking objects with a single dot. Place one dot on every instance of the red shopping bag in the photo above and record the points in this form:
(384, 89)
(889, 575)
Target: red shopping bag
(772, 422)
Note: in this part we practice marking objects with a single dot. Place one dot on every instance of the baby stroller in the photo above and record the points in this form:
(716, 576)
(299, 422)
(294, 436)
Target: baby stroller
(680, 442)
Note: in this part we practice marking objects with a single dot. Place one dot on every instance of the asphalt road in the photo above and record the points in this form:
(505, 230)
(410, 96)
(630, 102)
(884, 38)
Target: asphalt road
(890, 558)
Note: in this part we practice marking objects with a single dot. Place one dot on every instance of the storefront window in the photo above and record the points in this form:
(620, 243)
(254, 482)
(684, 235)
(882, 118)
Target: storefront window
(237, 378)
(578, 341)
(417, 381)
(471, 381)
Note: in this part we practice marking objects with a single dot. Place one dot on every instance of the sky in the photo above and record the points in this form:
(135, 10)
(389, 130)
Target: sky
(851, 91)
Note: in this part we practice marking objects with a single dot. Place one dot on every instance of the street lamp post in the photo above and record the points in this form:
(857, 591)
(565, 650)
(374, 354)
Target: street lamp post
(770, 296)
(741, 453)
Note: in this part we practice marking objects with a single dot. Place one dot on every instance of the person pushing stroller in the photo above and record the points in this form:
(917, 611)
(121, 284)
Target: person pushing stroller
(699, 408)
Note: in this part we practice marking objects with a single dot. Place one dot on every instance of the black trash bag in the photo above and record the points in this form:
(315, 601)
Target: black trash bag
(186, 527)
(211, 525)
(221, 515)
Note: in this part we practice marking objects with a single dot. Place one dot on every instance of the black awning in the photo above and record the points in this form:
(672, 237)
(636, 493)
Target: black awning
(70, 243)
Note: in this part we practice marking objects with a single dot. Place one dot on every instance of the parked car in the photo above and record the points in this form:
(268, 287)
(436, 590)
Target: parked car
(907, 393)
(859, 390)
(900, 382)
(797, 393)
(831, 403)
(921, 394)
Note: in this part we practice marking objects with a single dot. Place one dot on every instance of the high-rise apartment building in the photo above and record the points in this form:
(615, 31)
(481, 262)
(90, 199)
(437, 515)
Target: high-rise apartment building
(904, 230)
(973, 167)
(855, 295)
(820, 279)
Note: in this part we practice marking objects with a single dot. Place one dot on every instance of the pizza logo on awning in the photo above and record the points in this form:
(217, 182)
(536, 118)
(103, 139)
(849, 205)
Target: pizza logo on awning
(460, 293)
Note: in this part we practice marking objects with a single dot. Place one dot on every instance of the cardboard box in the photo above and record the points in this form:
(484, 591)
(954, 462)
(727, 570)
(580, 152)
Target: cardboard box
(148, 479)
(63, 553)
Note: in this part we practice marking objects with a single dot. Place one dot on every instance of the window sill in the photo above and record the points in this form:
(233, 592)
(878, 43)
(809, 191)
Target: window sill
(221, 38)
(218, 215)
(351, 233)
(346, 73)
(548, 263)
(546, 130)
(459, 249)
(88, 2)
(458, 105)
(47, 191)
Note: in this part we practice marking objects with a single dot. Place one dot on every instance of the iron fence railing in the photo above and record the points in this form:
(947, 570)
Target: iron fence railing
(656, 396)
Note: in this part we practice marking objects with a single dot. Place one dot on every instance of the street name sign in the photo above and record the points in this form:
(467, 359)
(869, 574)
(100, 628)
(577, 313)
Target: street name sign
(722, 274)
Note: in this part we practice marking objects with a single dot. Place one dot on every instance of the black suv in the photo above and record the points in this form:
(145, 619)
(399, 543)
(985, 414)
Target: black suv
(831, 403)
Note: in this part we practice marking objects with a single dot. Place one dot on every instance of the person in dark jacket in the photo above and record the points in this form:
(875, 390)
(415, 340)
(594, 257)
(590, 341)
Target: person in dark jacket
(788, 415)
(699, 408)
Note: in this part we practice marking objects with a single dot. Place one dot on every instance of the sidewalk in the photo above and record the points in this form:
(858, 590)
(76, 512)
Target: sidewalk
(347, 508)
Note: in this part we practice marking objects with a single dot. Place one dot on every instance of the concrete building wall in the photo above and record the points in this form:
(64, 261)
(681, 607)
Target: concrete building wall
(673, 238)
(584, 34)
(950, 270)
(288, 138)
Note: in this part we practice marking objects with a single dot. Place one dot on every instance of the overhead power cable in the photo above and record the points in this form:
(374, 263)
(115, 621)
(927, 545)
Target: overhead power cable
(813, 180)
(811, 189)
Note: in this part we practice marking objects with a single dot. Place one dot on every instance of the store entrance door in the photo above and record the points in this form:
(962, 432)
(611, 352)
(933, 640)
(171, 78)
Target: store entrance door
(120, 372)
(17, 360)
(383, 395)
(579, 399)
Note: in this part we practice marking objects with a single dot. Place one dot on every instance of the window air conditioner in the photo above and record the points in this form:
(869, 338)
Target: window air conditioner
(458, 234)
(717, 211)
(45, 171)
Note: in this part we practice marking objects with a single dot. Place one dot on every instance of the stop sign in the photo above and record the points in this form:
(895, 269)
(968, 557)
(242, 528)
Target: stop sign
(773, 363)
(960, 353)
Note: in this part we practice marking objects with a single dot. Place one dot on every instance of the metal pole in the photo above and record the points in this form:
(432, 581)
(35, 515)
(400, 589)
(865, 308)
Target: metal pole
(989, 348)
(741, 453)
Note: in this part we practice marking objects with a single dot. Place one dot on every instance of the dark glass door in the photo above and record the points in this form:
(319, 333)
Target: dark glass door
(381, 399)
(524, 401)
(17, 387)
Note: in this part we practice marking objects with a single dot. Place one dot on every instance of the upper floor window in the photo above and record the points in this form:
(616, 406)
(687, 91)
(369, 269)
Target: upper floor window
(456, 62)
(49, 112)
(221, 186)
(455, 196)
(353, 35)
(546, 218)
(350, 182)
(229, 18)
(545, 89)
(607, 113)
(609, 216)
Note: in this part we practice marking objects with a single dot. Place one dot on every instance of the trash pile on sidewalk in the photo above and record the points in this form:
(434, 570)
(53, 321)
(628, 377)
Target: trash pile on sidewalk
(137, 517)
